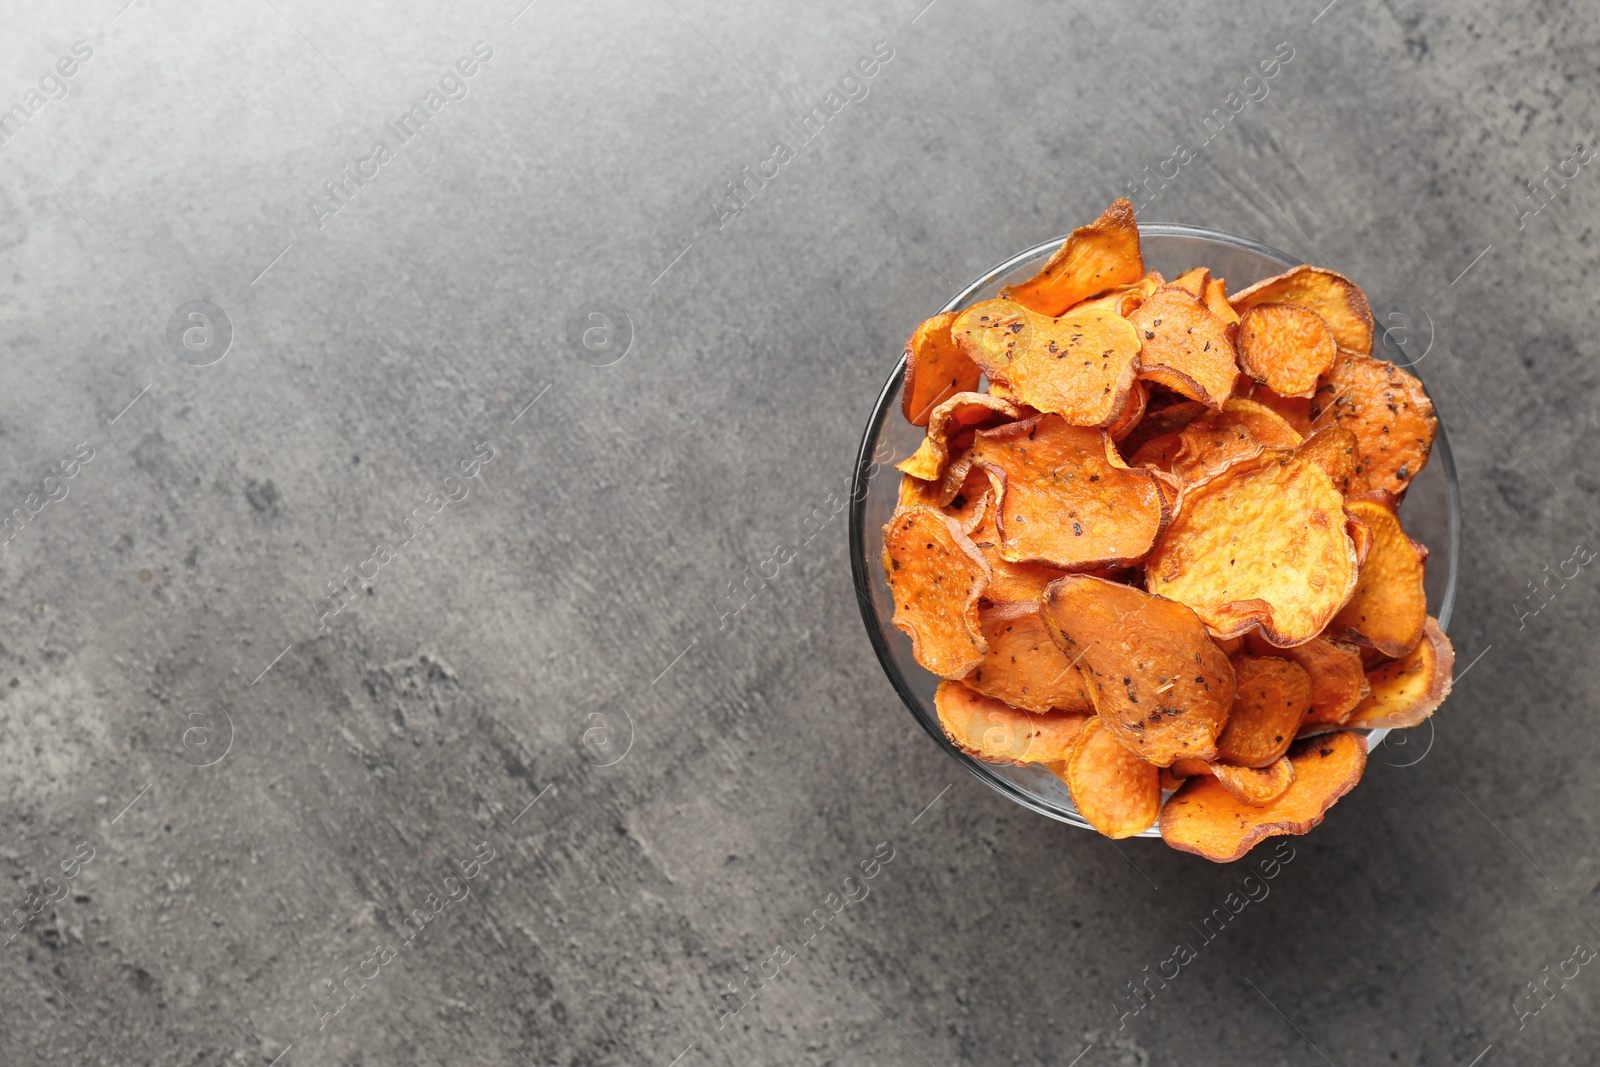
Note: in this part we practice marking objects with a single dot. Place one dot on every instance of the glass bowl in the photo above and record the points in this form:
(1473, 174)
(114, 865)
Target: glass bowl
(1431, 512)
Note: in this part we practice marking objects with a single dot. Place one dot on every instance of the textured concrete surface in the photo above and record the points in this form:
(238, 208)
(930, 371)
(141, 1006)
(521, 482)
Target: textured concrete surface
(231, 772)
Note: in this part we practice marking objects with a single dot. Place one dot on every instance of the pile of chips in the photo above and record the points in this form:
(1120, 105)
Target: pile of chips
(1160, 554)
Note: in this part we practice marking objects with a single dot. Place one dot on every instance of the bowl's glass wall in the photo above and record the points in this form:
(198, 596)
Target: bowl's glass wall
(1431, 512)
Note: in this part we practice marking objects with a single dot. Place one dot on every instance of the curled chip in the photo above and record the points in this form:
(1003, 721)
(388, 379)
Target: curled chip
(961, 412)
(995, 732)
(1388, 411)
(1184, 347)
(1094, 258)
(1124, 300)
(1194, 281)
(1009, 583)
(936, 368)
(1219, 439)
(1024, 666)
(1338, 679)
(915, 491)
(1389, 607)
(1159, 453)
(1116, 791)
(1203, 818)
(1215, 297)
(1080, 366)
(1408, 690)
(1273, 695)
(1263, 543)
(1065, 497)
(1158, 683)
(936, 575)
(1296, 410)
(1285, 347)
(1333, 296)
(1334, 449)
(1255, 786)
(1138, 396)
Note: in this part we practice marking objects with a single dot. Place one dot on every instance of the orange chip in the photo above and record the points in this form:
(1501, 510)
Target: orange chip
(1010, 583)
(1388, 411)
(1295, 410)
(1138, 396)
(1219, 439)
(936, 368)
(1273, 695)
(1024, 666)
(1156, 680)
(1408, 690)
(1205, 819)
(1261, 543)
(961, 412)
(915, 491)
(1159, 453)
(1096, 257)
(1185, 347)
(1255, 786)
(1159, 421)
(1334, 449)
(1215, 297)
(993, 731)
(1338, 678)
(1116, 791)
(1080, 366)
(1389, 607)
(1333, 296)
(936, 575)
(1188, 767)
(1065, 497)
(1194, 281)
(1285, 347)
(972, 505)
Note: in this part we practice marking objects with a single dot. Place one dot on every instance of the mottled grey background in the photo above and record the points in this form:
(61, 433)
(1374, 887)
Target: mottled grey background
(252, 834)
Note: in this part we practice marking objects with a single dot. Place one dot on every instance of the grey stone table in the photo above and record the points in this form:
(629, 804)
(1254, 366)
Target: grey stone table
(401, 407)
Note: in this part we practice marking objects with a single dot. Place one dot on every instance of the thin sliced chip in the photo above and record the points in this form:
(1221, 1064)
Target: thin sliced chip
(936, 575)
(1338, 678)
(915, 491)
(1388, 411)
(1255, 786)
(1273, 695)
(1024, 666)
(1159, 685)
(1285, 347)
(993, 731)
(972, 505)
(1408, 690)
(936, 368)
(1335, 450)
(1184, 347)
(1194, 281)
(1263, 543)
(1230, 645)
(1159, 453)
(1138, 396)
(1205, 819)
(1188, 767)
(1094, 258)
(1336, 298)
(1295, 410)
(1219, 439)
(1065, 497)
(1116, 791)
(1389, 607)
(1080, 366)
(1010, 583)
(961, 412)
(1216, 298)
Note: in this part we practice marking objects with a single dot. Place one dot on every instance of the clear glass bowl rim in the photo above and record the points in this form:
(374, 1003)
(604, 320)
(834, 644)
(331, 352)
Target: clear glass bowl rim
(860, 560)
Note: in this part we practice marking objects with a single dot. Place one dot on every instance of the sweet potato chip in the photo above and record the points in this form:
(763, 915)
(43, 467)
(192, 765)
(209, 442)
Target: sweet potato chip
(1333, 296)
(1285, 347)
(1138, 395)
(1124, 299)
(1010, 583)
(1158, 422)
(1219, 439)
(1263, 543)
(1215, 297)
(1116, 791)
(1184, 347)
(1388, 411)
(915, 491)
(936, 368)
(1338, 679)
(1159, 453)
(1334, 449)
(1408, 690)
(993, 731)
(1295, 410)
(936, 575)
(1205, 819)
(1194, 281)
(1024, 666)
(1159, 685)
(1389, 607)
(961, 412)
(1255, 786)
(1065, 499)
(1094, 258)
(1273, 695)
(1080, 366)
